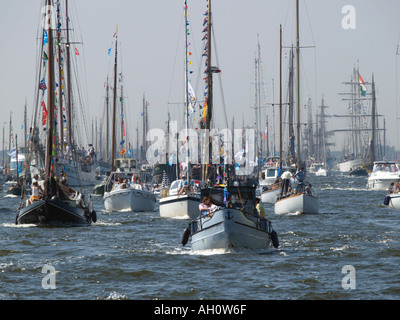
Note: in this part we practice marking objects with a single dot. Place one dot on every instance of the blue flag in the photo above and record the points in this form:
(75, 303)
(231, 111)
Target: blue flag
(45, 39)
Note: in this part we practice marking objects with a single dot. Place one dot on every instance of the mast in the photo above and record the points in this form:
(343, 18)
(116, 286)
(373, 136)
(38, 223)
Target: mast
(122, 115)
(186, 90)
(280, 96)
(298, 83)
(107, 122)
(60, 78)
(50, 105)
(69, 89)
(291, 95)
(16, 157)
(373, 124)
(112, 166)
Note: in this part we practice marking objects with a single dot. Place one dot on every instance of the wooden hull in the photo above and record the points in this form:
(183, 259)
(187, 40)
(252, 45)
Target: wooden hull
(54, 212)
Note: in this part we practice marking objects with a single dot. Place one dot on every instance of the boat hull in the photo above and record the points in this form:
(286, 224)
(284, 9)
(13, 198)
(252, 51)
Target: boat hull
(347, 165)
(183, 206)
(53, 212)
(269, 196)
(297, 203)
(394, 201)
(129, 199)
(381, 182)
(230, 229)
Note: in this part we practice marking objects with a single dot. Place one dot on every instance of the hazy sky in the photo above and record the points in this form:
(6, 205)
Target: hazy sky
(151, 38)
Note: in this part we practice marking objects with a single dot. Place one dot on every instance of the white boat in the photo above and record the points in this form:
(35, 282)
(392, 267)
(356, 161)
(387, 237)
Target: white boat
(346, 166)
(318, 168)
(382, 175)
(393, 200)
(322, 172)
(235, 224)
(297, 202)
(269, 193)
(175, 205)
(128, 196)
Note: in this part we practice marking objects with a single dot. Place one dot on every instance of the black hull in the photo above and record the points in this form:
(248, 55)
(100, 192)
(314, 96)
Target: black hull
(15, 191)
(53, 212)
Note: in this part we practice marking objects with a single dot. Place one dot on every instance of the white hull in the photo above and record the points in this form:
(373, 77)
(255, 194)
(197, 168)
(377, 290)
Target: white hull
(297, 203)
(230, 229)
(129, 199)
(347, 165)
(394, 201)
(182, 206)
(269, 196)
(380, 183)
(321, 173)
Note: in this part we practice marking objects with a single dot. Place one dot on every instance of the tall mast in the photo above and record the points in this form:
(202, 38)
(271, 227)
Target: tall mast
(112, 166)
(186, 89)
(291, 95)
(107, 122)
(298, 83)
(69, 104)
(122, 115)
(209, 100)
(373, 121)
(50, 104)
(280, 96)
(60, 78)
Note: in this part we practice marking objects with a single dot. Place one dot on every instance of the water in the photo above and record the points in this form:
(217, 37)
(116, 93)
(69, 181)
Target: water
(138, 256)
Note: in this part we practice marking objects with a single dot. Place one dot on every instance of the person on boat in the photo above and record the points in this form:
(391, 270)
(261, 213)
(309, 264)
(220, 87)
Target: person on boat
(187, 185)
(397, 187)
(391, 188)
(260, 208)
(300, 176)
(36, 193)
(285, 181)
(35, 178)
(206, 206)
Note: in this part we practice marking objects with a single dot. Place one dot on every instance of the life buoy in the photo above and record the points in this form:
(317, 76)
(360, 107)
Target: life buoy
(185, 236)
(274, 238)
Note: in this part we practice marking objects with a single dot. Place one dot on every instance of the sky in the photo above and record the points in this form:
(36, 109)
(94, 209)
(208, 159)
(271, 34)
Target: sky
(151, 38)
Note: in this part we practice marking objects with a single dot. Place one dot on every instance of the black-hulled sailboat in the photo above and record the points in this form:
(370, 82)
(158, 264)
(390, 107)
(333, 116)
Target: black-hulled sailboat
(59, 204)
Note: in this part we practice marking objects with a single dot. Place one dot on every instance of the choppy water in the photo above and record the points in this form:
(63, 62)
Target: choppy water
(131, 255)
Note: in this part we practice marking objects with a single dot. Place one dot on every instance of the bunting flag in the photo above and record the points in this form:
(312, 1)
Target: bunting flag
(363, 88)
(44, 114)
(205, 111)
(45, 39)
(42, 85)
(109, 52)
(76, 52)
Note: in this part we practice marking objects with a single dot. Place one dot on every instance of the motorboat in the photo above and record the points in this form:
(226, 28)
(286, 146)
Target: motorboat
(121, 193)
(298, 201)
(233, 224)
(382, 175)
(179, 203)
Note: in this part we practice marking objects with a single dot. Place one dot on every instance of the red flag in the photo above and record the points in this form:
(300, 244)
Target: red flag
(44, 114)
(76, 51)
